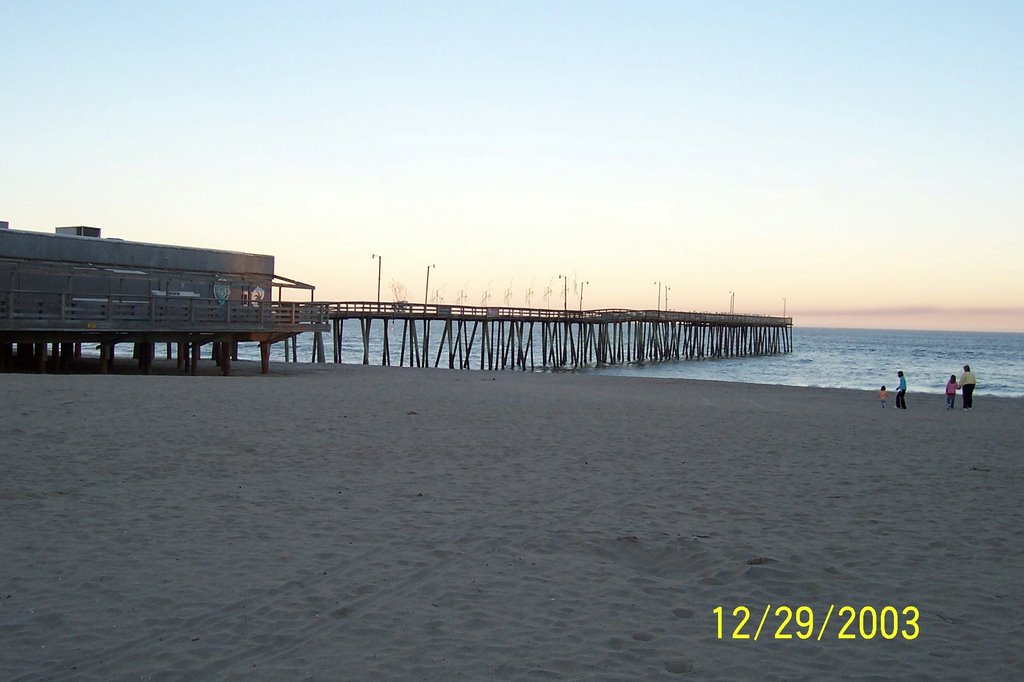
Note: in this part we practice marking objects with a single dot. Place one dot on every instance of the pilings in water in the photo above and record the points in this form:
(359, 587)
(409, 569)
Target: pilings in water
(522, 338)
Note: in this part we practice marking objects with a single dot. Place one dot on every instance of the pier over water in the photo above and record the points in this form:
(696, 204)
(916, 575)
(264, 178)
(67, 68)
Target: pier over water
(496, 338)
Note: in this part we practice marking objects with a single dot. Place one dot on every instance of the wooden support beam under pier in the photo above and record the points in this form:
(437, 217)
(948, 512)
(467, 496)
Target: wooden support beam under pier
(504, 338)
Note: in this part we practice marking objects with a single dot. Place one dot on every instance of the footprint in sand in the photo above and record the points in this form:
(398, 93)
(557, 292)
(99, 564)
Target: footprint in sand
(682, 613)
(616, 644)
(678, 666)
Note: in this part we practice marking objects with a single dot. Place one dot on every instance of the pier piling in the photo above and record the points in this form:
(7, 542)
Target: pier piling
(503, 338)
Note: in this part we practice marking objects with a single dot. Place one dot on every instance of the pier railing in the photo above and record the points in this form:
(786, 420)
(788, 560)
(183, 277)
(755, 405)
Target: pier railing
(22, 310)
(500, 337)
(438, 311)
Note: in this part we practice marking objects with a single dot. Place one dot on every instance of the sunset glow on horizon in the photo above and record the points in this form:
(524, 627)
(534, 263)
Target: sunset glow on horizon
(849, 165)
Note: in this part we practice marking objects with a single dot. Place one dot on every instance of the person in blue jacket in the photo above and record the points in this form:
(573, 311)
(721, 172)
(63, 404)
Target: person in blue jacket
(901, 392)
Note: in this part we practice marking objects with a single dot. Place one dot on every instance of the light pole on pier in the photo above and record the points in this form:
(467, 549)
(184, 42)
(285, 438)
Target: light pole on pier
(426, 289)
(732, 301)
(667, 289)
(783, 306)
(426, 322)
(659, 295)
(582, 284)
(565, 293)
(380, 264)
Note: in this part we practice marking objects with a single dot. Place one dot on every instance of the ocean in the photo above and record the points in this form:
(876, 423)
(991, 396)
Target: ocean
(830, 358)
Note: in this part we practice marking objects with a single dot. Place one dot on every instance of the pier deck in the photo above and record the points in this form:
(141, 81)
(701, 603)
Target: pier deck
(505, 337)
(61, 291)
(46, 329)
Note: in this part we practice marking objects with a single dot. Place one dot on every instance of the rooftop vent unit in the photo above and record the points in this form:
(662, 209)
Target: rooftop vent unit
(79, 231)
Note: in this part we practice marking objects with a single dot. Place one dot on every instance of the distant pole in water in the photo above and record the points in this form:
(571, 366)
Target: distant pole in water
(659, 295)
(380, 264)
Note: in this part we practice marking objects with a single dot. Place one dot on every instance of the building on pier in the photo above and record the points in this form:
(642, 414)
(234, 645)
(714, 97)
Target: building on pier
(60, 291)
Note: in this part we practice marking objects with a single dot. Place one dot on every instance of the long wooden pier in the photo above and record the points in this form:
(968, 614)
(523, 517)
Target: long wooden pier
(497, 338)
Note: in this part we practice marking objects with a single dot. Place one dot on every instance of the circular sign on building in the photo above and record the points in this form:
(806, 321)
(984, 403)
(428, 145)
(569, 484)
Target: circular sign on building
(221, 292)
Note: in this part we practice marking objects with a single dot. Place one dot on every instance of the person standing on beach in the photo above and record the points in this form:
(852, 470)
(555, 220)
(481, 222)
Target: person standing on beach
(967, 382)
(901, 392)
(883, 395)
(951, 392)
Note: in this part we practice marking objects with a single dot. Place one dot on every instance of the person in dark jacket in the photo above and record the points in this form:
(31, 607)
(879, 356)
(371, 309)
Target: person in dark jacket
(901, 392)
(967, 382)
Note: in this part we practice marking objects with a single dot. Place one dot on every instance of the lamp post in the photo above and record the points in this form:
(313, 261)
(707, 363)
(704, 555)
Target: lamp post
(380, 264)
(783, 306)
(659, 295)
(732, 301)
(582, 284)
(565, 293)
(426, 289)
(667, 289)
(426, 322)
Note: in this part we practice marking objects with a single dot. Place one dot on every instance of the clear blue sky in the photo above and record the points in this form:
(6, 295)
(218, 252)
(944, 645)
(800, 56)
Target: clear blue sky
(861, 160)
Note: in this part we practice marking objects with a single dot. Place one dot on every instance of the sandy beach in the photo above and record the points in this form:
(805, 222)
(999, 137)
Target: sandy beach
(349, 522)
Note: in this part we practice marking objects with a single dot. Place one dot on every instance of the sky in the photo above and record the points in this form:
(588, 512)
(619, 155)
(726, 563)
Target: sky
(847, 164)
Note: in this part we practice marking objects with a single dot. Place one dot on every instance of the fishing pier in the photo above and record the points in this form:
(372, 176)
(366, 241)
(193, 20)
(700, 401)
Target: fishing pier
(61, 291)
(497, 338)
